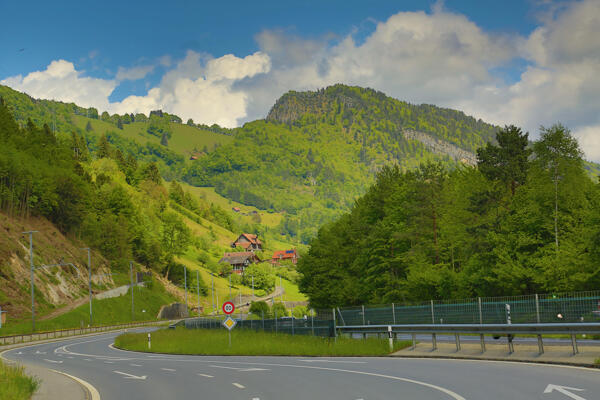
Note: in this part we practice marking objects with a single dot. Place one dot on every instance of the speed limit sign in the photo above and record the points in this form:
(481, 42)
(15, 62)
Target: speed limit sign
(228, 307)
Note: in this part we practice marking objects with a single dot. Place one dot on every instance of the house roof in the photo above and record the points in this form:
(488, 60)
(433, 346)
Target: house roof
(251, 238)
(239, 258)
(284, 254)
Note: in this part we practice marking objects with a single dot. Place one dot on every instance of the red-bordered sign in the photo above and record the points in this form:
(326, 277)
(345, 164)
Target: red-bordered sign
(228, 307)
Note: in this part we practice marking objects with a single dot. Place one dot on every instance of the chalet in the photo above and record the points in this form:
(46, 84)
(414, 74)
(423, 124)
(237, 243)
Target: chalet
(284, 255)
(248, 241)
(239, 261)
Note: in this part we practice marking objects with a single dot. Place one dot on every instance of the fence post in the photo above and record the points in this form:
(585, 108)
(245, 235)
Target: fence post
(432, 314)
(480, 312)
(263, 319)
(540, 344)
(574, 343)
(433, 342)
(394, 313)
(363, 313)
(312, 324)
(276, 322)
(482, 340)
(334, 327)
(457, 338)
(537, 308)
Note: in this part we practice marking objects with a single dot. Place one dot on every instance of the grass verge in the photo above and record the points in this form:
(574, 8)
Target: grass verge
(14, 384)
(250, 343)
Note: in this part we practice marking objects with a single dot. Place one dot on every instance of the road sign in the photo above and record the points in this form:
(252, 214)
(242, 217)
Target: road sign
(229, 323)
(228, 307)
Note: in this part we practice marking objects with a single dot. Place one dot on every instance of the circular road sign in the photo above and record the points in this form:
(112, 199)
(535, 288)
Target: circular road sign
(228, 307)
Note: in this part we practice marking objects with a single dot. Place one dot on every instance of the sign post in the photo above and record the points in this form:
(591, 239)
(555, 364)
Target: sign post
(229, 323)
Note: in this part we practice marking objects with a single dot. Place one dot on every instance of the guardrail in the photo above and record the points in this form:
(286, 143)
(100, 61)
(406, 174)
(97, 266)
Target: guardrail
(32, 337)
(509, 330)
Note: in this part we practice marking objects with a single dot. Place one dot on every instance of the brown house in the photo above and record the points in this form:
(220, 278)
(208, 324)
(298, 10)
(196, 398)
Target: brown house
(239, 261)
(248, 241)
(284, 255)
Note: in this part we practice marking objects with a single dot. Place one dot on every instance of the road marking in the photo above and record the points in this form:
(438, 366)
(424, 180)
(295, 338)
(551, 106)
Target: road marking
(52, 361)
(19, 352)
(255, 398)
(108, 362)
(335, 361)
(253, 369)
(237, 385)
(129, 376)
(70, 357)
(87, 359)
(206, 376)
(40, 352)
(93, 391)
(564, 390)
(168, 369)
(135, 365)
(220, 366)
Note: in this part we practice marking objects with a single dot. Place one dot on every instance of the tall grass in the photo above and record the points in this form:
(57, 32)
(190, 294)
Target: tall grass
(250, 343)
(14, 384)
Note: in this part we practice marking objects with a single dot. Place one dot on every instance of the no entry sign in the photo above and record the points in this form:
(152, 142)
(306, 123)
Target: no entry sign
(228, 307)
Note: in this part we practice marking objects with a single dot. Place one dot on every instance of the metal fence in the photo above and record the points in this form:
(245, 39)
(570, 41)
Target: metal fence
(287, 325)
(546, 308)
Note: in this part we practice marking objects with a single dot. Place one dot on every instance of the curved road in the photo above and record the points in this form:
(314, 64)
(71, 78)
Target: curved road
(118, 374)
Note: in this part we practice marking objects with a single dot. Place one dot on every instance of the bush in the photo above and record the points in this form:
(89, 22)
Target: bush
(264, 278)
(260, 308)
(279, 310)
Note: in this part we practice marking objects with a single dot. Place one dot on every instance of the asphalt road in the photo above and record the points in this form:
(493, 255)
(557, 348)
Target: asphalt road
(118, 374)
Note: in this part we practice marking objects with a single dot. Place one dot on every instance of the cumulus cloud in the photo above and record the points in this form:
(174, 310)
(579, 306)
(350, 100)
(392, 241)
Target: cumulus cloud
(60, 81)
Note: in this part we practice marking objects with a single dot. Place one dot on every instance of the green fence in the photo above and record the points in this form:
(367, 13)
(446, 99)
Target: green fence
(546, 308)
(288, 325)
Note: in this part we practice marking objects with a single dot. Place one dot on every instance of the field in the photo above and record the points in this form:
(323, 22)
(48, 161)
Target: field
(183, 140)
(14, 384)
(250, 343)
(291, 291)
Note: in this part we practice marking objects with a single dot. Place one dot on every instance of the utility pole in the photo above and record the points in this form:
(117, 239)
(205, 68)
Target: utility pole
(131, 274)
(89, 281)
(252, 287)
(32, 277)
(198, 288)
(185, 284)
(230, 286)
(212, 284)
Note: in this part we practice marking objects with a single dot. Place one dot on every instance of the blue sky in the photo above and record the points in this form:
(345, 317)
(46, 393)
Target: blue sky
(487, 58)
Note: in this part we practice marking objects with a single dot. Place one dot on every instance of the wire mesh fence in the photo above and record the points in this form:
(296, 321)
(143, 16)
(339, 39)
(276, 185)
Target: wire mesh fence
(288, 325)
(544, 308)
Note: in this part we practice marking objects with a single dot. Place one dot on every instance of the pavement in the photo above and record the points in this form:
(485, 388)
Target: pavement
(118, 374)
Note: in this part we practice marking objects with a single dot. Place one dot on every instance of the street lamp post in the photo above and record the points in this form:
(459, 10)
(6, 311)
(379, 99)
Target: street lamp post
(185, 284)
(90, 282)
(252, 287)
(198, 289)
(32, 277)
(131, 275)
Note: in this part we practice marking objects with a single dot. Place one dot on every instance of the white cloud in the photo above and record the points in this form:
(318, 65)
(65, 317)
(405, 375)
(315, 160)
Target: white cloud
(134, 73)
(60, 81)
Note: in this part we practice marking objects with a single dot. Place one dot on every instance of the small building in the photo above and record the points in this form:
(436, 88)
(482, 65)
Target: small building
(248, 242)
(236, 209)
(239, 261)
(284, 255)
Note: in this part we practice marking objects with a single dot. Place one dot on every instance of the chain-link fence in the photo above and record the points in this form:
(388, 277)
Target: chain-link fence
(292, 326)
(546, 308)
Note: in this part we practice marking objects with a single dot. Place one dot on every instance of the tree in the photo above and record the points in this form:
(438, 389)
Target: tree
(164, 140)
(119, 123)
(558, 152)
(151, 173)
(508, 162)
(88, 127)
(190, 122)
(264, 278)
(104, 148)
(279, 310)
(260, 308)
(175, 236)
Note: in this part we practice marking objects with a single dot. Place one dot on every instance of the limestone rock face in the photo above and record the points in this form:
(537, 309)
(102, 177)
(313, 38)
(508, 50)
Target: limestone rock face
(173, 311)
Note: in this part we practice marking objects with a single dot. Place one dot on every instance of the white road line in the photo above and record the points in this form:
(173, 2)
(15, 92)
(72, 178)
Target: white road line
(87, 359)
(135, 365)
(130, 376)
(93, 392)
(205, 375)
(220, 366)
(168, 369)
(237, 385)
(335, 361)
(255, 398)
(52, 361)
(108, 362)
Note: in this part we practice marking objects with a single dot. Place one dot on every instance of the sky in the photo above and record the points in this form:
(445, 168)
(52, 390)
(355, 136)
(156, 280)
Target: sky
(530, 63)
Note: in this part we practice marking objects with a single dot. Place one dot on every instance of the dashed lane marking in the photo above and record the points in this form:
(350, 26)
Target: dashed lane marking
(135, 365)
(205, 375)
(168, 369)
(52, 361)
(237, 385)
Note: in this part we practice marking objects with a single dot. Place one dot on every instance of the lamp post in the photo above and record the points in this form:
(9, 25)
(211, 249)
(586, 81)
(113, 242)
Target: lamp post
(198, 289)
(131, 275)
(89, 281)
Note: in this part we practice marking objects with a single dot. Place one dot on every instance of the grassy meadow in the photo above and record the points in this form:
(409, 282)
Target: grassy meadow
(250, 343)
(14, 384)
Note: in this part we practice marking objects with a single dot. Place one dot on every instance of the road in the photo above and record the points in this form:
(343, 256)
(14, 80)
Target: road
(117, 374)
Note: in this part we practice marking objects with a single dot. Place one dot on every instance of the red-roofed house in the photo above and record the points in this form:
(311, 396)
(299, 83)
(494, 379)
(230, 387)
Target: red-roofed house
(248, 242)
(284, 255)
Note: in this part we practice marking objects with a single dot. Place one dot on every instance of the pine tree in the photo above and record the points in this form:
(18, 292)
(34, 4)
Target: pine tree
(104, 148)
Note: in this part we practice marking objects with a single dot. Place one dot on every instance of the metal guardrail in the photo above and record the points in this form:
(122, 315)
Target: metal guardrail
(36, 336)
(509, 330)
